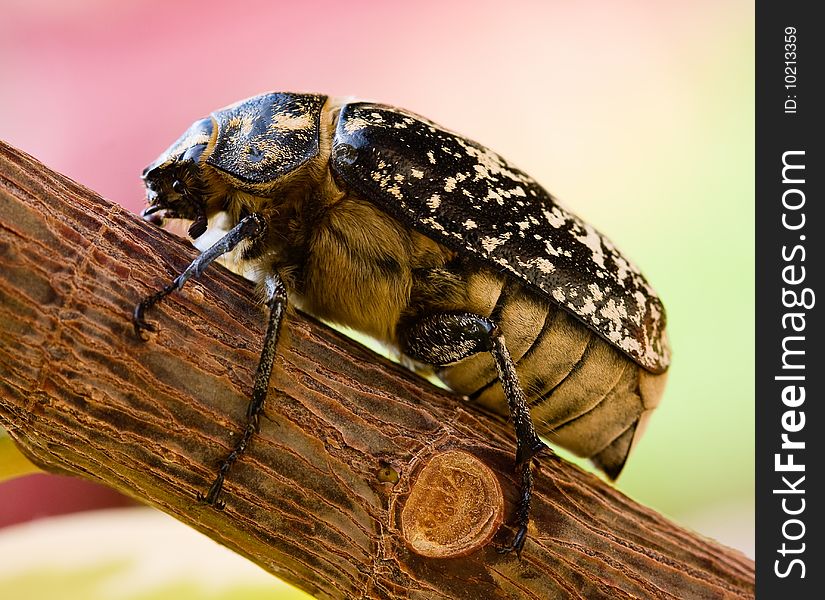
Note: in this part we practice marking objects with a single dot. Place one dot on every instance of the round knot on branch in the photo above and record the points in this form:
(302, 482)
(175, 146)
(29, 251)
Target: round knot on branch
(455, 506)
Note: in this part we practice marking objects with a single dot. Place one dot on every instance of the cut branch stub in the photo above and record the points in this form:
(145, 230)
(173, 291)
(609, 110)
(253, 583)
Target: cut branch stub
(455, 506)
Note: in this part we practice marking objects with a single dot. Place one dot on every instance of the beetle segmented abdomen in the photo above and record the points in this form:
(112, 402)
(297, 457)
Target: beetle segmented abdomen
(584, 395)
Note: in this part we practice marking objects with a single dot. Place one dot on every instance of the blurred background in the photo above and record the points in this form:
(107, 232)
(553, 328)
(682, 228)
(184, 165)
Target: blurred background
(638, 115)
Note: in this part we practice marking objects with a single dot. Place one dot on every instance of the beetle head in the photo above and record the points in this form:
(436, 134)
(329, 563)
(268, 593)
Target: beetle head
(174, 187)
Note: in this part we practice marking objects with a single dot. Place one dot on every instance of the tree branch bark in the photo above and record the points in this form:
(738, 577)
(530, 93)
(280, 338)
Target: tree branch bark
(361, 471)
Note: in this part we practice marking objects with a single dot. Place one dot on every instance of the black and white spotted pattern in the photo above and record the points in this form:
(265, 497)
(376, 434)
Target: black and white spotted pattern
(470, 199)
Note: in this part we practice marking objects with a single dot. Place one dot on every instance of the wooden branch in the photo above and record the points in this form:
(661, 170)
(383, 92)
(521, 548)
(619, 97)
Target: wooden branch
(361, 472)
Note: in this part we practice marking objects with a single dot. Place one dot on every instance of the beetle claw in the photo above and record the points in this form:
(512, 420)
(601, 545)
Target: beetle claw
(144, 326)
(140, 324)
(517, 544)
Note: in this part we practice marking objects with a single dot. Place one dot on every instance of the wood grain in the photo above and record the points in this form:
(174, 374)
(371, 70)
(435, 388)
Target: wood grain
(312, 501)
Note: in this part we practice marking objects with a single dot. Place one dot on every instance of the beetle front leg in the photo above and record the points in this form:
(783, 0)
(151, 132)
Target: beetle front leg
(277, 303)
(444, 338)
(250, 227)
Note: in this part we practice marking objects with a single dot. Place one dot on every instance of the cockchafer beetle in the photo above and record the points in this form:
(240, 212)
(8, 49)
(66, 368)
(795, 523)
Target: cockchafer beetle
(377, 219)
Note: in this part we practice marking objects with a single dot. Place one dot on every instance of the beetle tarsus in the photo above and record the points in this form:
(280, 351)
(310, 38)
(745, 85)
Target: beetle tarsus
(522, 518)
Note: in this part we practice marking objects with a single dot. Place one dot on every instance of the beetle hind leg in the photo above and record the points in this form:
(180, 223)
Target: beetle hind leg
(444, 338)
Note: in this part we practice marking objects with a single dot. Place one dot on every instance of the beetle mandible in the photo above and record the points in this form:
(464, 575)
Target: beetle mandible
(375, 218)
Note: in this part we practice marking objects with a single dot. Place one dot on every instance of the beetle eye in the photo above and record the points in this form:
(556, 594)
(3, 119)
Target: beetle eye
(178, 187)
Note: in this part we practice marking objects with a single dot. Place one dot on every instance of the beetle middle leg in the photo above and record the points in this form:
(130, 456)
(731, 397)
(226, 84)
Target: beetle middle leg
(443, 338)
(277, 302)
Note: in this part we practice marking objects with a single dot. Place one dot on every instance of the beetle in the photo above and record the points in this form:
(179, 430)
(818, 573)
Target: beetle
(372, 217)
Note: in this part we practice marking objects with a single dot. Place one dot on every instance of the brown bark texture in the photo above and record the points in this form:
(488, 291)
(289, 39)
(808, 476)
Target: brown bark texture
(365, 481)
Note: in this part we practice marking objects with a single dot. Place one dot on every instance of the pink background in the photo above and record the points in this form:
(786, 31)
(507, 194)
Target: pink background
(97, 89)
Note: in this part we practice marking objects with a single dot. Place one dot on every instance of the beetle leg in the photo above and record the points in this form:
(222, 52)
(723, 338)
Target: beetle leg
(528, 444)
(444, 338)
(277, 303)
(249, 227)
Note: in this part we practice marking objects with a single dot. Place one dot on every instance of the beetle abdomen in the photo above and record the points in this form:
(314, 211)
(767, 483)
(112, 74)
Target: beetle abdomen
(584, 395)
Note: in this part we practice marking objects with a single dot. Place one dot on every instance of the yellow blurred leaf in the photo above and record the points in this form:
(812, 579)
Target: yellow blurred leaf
(12, 462)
